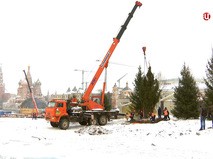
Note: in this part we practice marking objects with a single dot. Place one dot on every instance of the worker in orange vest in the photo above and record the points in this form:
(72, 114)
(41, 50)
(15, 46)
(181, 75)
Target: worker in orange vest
(74, 101)
(152, 117)
(166, 114)
(132, 114)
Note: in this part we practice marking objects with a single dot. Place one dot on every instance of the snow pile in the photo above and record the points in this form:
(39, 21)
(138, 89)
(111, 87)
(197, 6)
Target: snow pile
(93, 130)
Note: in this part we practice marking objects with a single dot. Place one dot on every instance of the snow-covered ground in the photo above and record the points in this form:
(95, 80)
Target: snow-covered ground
(27, 138)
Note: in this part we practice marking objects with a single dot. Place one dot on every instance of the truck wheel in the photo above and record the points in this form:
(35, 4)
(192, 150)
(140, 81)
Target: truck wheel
(83, 122)
(64, 124)
(93, 122)
(53, 124)
(102, 120)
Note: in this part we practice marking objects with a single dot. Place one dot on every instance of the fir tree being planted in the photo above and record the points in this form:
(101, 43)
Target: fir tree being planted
(146, 92)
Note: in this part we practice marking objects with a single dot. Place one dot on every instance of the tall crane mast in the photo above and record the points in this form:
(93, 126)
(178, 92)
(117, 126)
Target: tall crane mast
(89, 104)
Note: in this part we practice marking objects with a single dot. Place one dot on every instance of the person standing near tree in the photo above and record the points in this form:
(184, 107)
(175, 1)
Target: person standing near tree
(203, 114)
(211, 117)
(166, 113)
(152, 117)
(141, 114)
(74, 101)
(159, 112)
(132, 114)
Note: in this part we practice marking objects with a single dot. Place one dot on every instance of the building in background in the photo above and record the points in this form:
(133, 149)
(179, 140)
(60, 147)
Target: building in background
(23, 90)
(121, 97)
(24, 97)
(22, 102)
(3, 95)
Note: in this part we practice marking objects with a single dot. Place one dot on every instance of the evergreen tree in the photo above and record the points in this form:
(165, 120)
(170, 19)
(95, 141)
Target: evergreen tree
(186, 96)
(107, 104)
(146, 92)
(208, 99)
(152, 91)
(135, 97)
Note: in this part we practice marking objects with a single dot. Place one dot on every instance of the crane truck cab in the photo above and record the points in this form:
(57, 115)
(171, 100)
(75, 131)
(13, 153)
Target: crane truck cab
(59, 113)
(56, 113)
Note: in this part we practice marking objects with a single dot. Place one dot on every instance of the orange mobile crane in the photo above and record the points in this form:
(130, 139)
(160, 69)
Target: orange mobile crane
(89, 112)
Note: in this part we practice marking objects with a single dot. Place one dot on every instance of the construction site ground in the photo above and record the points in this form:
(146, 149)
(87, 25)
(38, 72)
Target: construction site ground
(27, 138)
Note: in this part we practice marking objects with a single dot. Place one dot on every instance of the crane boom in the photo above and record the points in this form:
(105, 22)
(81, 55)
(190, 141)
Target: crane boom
(104, 64)
(31, 94)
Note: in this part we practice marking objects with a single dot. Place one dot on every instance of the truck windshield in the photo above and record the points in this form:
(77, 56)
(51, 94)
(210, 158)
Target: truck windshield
(51, 104)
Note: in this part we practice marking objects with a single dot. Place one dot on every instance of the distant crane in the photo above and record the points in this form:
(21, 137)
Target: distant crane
(119, 80)
(31, 94)
(82, 77)
(115, 64)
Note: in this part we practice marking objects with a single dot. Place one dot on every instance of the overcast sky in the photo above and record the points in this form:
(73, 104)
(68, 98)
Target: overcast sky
(57, 37)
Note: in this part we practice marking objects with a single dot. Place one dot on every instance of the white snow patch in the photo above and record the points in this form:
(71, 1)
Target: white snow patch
(24, 138)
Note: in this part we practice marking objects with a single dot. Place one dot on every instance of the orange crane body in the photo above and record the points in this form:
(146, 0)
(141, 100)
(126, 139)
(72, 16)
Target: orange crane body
(89, 104)
(86, 97)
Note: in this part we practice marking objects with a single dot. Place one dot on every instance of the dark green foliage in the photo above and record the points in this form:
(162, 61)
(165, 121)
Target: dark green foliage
(146, 92)
(135, 97)
(186, 96)
(208, 99)
(107, 104)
